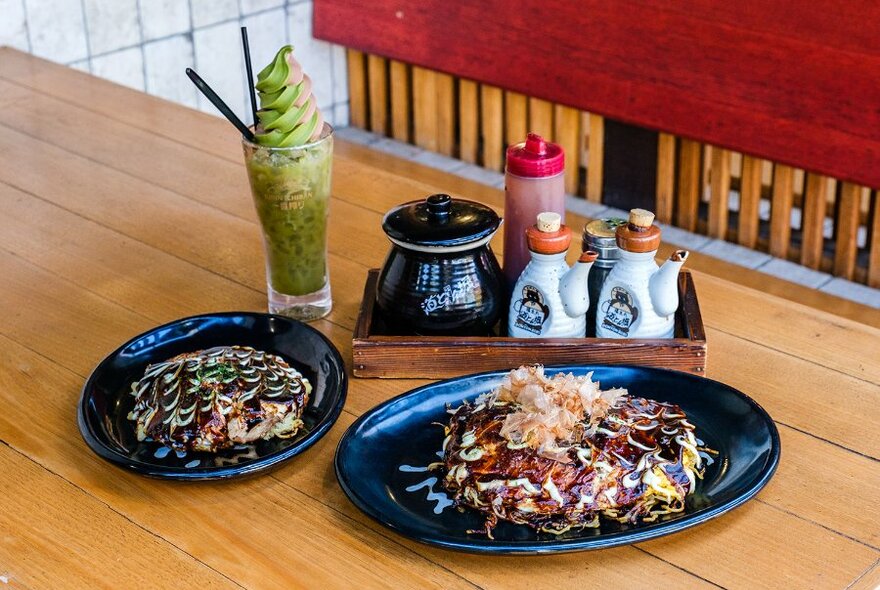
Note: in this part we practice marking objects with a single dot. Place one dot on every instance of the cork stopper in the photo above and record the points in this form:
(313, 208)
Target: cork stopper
(640, 234)
(549, 222)
(641, 218)
(548, 235)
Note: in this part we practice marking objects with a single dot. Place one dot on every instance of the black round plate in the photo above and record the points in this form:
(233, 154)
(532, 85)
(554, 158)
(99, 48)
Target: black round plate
(106, 397)
(379, 457)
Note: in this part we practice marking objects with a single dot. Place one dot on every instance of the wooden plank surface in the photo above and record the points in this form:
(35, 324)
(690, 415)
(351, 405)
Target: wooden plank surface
(763, 78)
(76, 254)
(870, 580)
(63, 535)
(363, 403)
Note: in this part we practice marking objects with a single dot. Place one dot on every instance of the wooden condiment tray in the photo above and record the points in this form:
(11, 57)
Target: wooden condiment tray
(436, 357)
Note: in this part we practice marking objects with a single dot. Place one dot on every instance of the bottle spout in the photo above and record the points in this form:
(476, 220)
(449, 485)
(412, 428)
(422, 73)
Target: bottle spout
(574, 288)
(664, 284)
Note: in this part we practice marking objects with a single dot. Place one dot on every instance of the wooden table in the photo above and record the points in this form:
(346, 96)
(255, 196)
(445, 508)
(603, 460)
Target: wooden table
(121, 211)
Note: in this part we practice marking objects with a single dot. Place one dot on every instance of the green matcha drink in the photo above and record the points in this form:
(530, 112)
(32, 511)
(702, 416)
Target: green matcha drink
(289, 169)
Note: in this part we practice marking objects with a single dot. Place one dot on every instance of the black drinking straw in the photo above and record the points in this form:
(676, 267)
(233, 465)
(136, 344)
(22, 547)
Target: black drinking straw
(218, 102)
(245, 46)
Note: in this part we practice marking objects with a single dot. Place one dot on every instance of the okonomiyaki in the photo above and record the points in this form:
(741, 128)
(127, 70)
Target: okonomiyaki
(557, 452)
(213, 399)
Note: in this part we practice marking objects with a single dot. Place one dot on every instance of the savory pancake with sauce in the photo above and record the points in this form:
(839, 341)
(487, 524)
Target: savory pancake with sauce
(213, 399)
(557, 452)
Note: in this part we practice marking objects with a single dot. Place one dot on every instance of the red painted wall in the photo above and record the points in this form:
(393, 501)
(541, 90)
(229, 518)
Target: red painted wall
(794, 81)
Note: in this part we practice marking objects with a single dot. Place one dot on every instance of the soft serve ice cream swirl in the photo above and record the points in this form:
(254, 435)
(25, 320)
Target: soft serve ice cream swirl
(289, 115)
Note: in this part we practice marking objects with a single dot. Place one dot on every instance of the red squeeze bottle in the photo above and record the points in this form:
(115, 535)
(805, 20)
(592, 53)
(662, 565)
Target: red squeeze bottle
(533, 183)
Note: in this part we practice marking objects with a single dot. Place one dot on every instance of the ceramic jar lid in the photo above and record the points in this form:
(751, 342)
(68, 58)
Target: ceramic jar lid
(441, 223)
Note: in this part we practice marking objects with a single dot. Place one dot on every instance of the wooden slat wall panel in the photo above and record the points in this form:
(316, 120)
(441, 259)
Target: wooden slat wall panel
(780, 210)
(865, 206)
(566, 132)
(719, 198)
(541, 117)
(846, 230)
(468, 120)
(461, 118)
(799, 185)
(492, 116)
(425, 108)
(736, 160)
(401, 101)
(767, 173)
(750, 201)
(377, 74)
(596, 158)
(357, 88)
(516, 117)
(705, 188)
(874, 243)
(689, 184)
(583, 156)
(665, 177)
(815, 201)
(445, 114)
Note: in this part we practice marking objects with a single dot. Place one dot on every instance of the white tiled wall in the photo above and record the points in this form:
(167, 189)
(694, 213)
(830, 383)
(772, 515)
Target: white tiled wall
(147, 44)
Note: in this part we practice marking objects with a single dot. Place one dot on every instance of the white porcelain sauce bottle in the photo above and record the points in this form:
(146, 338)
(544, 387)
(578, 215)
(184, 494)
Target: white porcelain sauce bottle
(550, 300)
(639, 299)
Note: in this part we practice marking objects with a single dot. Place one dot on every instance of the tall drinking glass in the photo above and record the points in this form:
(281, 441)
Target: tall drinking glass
(291, 189)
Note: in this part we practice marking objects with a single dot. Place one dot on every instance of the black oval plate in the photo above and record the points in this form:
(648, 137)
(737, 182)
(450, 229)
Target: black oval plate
(399, 433)
(106, 397)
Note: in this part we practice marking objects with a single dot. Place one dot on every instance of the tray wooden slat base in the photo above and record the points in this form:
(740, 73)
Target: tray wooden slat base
(437, 357)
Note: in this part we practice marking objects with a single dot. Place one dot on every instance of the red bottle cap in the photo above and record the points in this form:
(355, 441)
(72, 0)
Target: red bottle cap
(535, 158)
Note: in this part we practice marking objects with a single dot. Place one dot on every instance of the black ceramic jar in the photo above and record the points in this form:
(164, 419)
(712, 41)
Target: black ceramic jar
(441, 277)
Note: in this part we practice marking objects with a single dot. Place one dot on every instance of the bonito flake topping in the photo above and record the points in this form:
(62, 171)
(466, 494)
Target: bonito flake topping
(554, 412)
